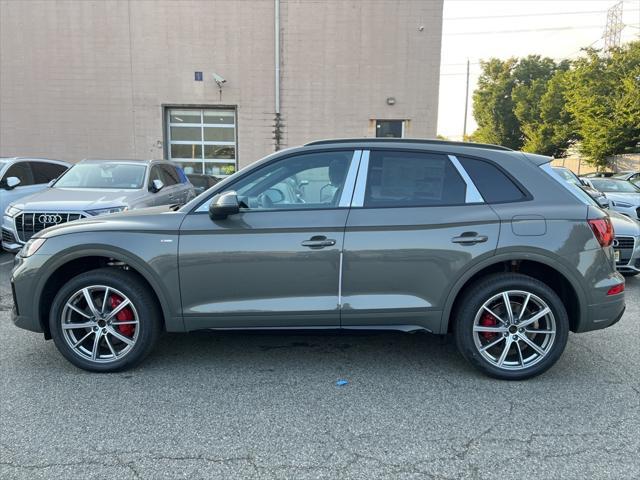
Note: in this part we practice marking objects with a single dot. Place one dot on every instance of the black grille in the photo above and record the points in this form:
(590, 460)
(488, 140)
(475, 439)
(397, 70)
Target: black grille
(7, 236)
(625, 242)
(625, 247)
(28, 224)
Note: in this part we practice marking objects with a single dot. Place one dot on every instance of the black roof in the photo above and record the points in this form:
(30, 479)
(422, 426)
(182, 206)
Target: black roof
(423, 141)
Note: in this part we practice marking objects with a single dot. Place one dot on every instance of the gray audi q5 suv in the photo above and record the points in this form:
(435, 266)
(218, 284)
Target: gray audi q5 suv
(411, 235)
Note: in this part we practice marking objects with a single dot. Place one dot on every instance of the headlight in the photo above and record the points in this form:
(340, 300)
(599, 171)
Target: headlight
(105, 211)
(31, 247)
(12, 211)
(621, 204)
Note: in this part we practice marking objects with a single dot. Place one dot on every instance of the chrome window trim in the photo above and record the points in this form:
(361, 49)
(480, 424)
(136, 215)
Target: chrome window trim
(472, 195)
(350, 180)
(361, 181)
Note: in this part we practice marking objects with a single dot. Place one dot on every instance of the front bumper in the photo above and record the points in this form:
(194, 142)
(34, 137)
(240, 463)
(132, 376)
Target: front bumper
(10, 241)
(24, 283)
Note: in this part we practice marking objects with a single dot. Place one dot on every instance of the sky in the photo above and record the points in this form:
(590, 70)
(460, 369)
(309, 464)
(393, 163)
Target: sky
(552, 28)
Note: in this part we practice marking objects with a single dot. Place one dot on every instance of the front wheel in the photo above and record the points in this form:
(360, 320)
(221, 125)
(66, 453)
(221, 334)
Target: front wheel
(511, 326)
(104, 320)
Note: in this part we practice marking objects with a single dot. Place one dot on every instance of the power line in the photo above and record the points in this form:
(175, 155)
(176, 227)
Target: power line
(546, 14)
(549, 29)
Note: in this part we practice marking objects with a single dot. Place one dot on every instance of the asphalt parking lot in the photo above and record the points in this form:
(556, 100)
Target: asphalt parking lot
(212, 405)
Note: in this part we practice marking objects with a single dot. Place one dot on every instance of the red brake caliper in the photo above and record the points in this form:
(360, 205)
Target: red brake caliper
(122, 316)
(488, 320)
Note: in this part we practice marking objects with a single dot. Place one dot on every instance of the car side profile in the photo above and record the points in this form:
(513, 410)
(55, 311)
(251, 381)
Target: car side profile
(20, 177)
(479, 241)
(95, 187)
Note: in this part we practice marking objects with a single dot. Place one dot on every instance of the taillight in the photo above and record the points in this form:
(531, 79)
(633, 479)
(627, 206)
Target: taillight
(603, 230)
(616, 290)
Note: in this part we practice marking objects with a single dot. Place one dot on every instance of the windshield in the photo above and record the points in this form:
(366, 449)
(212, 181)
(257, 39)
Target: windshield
(103, 175)
(609, 185)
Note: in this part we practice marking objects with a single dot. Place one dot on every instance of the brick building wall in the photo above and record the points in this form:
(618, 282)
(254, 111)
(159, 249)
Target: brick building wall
(91, 79)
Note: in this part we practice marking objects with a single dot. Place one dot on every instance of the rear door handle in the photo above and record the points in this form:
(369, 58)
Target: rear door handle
(318, 241)
(470, 238)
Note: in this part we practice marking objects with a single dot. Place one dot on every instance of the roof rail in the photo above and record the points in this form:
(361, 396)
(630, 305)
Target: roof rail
(409, 140)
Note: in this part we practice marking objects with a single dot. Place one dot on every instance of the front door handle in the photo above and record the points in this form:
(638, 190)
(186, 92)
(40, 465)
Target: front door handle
(318, 241)
(470, 238)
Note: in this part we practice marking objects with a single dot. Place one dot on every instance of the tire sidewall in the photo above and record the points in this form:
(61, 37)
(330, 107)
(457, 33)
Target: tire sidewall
(130, 286)
(489, 287)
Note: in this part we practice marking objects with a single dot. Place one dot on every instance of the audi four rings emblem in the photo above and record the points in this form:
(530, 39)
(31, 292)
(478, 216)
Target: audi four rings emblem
(50, 218)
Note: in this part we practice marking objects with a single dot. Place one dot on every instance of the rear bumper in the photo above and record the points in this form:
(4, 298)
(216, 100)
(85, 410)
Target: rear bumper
(603, 315)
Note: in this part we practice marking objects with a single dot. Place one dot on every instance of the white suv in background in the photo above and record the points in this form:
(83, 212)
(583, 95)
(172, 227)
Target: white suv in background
(20, 177)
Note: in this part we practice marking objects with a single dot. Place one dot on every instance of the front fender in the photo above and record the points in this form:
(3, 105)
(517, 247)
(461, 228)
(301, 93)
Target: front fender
(152, 255)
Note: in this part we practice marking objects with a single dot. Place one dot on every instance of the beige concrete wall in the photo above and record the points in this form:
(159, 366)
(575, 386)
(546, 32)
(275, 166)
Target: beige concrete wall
(89, 78)
(619, 163)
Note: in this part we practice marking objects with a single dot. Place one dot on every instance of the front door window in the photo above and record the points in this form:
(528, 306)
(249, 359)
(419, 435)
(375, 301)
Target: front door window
(309, 181)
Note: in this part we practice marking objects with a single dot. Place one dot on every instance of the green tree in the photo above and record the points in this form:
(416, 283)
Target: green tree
(539, 105)
(511, 109)
(493, 105)
(603, 96)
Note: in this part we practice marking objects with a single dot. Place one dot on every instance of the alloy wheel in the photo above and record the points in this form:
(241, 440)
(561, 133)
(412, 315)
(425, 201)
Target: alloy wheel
(100, 324)
(514, 330)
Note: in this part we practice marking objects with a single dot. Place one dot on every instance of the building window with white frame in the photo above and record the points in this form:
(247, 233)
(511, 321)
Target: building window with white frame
(390, 128)
(202, 140)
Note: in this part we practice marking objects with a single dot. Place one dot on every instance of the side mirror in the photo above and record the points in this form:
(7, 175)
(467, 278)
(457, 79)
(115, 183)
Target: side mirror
(156, 186)
(12, 182)
(223, 205)
(603, 202)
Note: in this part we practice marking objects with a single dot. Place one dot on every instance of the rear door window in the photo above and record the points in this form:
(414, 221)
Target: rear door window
(412, 179)
(494, 185)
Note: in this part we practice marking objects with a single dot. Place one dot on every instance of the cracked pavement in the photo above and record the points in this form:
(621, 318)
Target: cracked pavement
(238, 405)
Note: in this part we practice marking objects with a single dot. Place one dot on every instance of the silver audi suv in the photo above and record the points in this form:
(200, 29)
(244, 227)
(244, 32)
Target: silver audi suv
(479, 241)
(91, 188)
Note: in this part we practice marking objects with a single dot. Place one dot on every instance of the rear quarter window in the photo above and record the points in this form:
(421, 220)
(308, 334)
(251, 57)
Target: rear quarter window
(494, 185)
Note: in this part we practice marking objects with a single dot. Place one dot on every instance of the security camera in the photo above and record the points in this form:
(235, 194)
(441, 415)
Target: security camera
(218, 79)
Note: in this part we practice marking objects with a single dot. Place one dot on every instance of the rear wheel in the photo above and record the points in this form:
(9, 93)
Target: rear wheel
(511, 326)
(104, 320)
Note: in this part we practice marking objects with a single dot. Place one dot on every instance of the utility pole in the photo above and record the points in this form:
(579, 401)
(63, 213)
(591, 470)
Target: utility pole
(614, 27)
(466, 105)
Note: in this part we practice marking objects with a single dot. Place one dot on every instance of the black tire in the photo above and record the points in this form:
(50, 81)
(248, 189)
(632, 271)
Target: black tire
(630, 274)
(143, 301)
(483, 290)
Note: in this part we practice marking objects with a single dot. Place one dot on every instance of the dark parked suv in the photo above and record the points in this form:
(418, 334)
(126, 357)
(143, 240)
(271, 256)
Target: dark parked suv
(410, 235)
